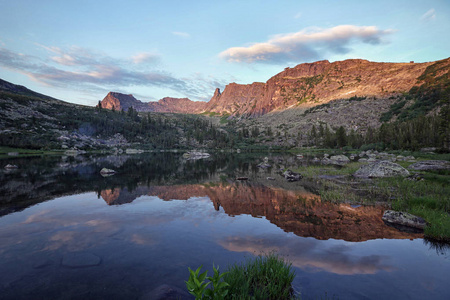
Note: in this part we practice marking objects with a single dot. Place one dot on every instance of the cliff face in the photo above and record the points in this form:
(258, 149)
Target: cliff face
(236, 98)
(120, 101)
(177, 105)
(304, 85)
(310, 84)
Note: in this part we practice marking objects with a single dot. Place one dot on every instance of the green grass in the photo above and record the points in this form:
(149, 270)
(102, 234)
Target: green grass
(24, 152)
(429, 199)
(266, 277)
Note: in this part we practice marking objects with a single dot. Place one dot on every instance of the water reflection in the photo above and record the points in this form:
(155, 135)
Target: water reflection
(300, 212)
(310, 255)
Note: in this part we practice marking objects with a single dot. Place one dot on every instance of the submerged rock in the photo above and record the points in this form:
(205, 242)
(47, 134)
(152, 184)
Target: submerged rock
(381, 169)
(404, 219)
(430, 165)
(292, 176)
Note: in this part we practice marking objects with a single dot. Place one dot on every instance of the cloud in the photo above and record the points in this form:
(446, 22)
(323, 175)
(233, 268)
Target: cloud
(429, 15)
(84, 68)
(145, 57)
(298, 15)
(184, 35)
(95, 73)
(306, 44)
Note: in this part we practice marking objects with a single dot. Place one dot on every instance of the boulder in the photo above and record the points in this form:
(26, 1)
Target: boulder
(404, 219)
(265, 163)
(106, 171)
(292, 176)
(381, 169)
(9, 166)
(339, 159)
(427, 165)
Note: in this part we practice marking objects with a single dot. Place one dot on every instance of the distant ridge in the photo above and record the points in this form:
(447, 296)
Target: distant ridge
(120, 101)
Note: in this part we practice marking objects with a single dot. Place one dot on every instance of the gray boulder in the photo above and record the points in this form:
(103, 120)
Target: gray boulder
(106, 171)
(430, 165)
(381, 169)
(339, 159)
(292, 176)
(265, 163)
(404, 219)
(9, 166)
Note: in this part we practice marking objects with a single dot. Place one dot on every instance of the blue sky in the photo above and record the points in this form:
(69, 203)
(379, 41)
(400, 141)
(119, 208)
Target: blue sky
(78, 51)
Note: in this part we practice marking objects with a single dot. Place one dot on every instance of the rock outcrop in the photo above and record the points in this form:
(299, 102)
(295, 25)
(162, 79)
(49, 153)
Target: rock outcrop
(118, 101)
(320, 82)
(381, 169)
(292, 176)
(404, 219)
(427, 165)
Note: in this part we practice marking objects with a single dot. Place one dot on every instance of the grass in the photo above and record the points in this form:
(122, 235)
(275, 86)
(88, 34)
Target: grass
(266, 277)
(25, 152)
(429, 199)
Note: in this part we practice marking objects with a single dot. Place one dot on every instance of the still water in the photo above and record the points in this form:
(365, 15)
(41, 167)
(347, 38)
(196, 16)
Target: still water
(66, 232)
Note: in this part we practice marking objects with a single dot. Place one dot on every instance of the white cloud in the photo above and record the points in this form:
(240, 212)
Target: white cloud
(306, 44)
(88, 70)
(298, 15)
(181, 34)
(144, 57)
(429, 15)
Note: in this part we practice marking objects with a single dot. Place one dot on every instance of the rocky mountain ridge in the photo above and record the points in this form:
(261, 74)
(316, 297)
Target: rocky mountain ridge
(305, 85)
(118, 101)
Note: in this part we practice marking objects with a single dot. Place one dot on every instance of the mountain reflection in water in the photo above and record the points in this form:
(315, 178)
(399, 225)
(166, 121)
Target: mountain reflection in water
(66, 232)
(300, 212)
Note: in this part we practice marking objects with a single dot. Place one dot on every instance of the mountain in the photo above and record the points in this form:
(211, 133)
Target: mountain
(305, 85)
(35, 121)
(120, 101)
(311, 84)
(8, 87)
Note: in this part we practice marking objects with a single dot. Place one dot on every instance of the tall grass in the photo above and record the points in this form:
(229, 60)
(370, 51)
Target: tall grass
(266, 277)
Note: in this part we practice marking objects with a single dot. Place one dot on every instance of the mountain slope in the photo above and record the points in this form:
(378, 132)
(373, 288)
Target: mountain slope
(305, 85)
(31, 120)
(311, 84)
(120, 101)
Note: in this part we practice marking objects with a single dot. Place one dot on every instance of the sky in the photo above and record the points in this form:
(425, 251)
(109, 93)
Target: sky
(78, 51)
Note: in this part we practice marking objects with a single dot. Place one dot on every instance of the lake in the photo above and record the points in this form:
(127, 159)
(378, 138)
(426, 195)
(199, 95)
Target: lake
(66, 232)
